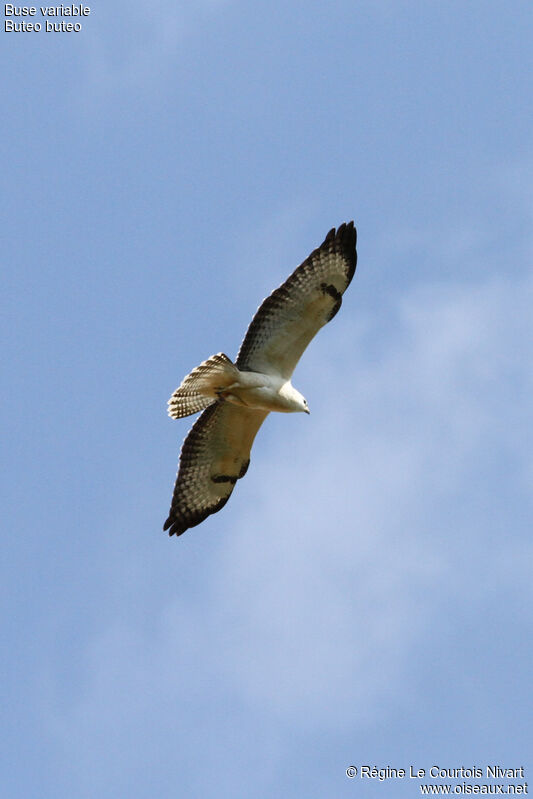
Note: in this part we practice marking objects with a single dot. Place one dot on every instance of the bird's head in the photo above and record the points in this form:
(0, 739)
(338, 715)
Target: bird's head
(304, 406)
(295, 401)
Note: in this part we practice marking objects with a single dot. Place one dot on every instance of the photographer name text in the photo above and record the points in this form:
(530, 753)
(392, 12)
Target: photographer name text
(436, 772)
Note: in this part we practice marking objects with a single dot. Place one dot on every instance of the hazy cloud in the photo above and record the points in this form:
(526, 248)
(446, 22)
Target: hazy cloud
(338, 551)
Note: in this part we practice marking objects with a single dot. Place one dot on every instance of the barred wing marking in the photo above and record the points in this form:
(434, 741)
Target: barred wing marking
(293, 314)
(215, 454)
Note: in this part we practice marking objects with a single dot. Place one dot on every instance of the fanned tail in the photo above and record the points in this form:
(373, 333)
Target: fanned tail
(201, 387)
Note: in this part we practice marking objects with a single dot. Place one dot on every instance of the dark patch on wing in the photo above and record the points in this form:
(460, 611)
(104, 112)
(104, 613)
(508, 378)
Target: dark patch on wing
(337, 296)
(224, 478)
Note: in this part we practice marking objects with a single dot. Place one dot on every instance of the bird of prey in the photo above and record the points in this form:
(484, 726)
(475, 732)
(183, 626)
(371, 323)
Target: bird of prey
(237, 397)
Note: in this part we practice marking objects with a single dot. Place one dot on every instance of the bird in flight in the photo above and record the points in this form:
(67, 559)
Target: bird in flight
(237, 397)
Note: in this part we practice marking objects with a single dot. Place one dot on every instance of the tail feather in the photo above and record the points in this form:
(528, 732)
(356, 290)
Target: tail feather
(200, 388)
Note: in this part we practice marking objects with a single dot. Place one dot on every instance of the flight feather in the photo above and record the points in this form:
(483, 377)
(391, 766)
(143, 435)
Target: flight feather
(293, 314)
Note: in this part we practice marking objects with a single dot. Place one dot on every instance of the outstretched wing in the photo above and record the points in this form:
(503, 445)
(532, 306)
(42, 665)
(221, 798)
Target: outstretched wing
(294, 313)
(215, 454)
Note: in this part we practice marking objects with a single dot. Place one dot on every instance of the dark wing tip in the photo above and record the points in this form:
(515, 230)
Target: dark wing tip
(175, 527)
(344, 240)
(177, 523)
(346, 229)
(345, 236)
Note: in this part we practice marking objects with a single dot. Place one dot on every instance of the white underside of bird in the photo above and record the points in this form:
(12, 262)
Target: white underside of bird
(218, 378)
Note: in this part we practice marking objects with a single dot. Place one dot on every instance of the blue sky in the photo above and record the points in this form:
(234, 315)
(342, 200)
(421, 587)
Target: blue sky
(365, 596)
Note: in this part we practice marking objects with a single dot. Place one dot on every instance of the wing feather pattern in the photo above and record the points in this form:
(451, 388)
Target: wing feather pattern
(215, 454)
(293, 314)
